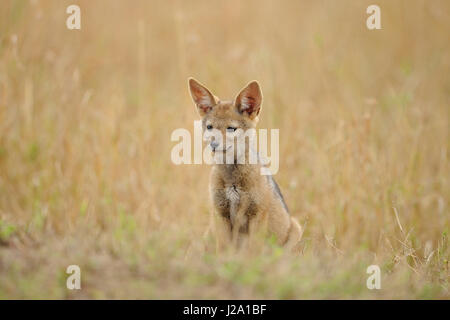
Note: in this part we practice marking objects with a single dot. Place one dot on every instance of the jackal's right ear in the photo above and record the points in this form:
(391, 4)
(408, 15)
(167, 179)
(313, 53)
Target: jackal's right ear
(202, 97)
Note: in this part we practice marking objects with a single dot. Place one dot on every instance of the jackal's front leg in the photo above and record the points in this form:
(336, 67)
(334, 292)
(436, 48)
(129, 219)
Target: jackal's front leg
(239, 218)
(222, 229)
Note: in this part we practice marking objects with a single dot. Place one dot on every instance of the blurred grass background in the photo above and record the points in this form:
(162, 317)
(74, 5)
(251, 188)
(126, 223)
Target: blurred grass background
(85, 123)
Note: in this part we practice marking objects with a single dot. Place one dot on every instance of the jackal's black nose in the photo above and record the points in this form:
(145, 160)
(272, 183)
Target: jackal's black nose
(214, 145)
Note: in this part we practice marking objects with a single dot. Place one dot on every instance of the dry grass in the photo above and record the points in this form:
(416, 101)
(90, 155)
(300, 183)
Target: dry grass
(85, 123)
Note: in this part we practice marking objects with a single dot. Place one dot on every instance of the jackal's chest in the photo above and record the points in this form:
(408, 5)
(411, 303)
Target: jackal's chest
(232, 194)
(226, 200)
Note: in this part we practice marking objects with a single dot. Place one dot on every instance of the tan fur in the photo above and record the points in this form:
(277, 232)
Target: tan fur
(244, 201)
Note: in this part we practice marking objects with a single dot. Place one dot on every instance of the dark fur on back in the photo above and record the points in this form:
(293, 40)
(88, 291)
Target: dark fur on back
(277, 191)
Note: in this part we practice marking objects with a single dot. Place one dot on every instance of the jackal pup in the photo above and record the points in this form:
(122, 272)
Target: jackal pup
(245, 201)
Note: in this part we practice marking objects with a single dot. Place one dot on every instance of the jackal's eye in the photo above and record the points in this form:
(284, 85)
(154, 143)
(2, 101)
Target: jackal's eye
(231, 129)
(209, 127)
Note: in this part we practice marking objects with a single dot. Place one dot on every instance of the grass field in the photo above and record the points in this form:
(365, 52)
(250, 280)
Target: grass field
(86, 176)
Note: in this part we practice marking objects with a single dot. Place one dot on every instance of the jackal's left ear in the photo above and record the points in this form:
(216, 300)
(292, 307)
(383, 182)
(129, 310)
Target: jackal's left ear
(249, 100)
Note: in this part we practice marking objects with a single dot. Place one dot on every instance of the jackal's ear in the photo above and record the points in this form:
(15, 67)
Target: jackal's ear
(202, 97)
(249, 100)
